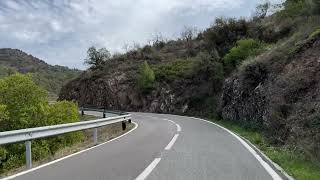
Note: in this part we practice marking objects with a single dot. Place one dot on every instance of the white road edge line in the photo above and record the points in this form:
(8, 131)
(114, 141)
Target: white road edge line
(173, 140)
(63, 158)
(149, 169)
(266, 166)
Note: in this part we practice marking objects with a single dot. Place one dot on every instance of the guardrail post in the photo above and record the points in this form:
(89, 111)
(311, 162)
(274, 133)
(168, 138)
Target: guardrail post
(95, 136)
(28, 155)
(129, 121)
(123, 125)
(82, 111)
(104, 113)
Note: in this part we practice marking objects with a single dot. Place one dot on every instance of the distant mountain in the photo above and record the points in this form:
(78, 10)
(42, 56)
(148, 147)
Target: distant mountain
(52, 78)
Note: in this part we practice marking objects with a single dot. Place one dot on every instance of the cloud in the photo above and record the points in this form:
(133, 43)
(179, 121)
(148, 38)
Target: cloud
(60, 31)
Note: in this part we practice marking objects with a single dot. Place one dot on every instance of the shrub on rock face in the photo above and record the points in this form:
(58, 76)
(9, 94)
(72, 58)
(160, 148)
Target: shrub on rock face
(244, 49)
(315, 34)
(146, 77)
(180, 68)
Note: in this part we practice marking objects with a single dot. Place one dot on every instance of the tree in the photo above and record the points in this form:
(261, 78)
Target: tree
(23, 104)
(189, 33)
(24, 100)
(146, 77)
(262, 10)
(157, 40)
(97, 58)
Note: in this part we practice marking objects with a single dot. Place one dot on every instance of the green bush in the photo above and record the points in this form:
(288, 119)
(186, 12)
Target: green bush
(25, 102)
(176, 69)
(295, 8)
(146, 77)
(25, 105)
(315, 34)
(224, 33)
(244, 49)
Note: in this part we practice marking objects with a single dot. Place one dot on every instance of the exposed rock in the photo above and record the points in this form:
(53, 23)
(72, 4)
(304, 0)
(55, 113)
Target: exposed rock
(280, 95)
(118, 90)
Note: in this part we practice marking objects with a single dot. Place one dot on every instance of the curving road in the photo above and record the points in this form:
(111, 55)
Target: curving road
(164, 147)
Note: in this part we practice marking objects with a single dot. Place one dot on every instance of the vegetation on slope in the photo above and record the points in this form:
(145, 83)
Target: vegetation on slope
(51, 78)
(243, 50)
(294, 163)
(146, 77)
(23, 104)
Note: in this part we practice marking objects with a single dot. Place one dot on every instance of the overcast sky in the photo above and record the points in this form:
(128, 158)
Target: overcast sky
(60, 31)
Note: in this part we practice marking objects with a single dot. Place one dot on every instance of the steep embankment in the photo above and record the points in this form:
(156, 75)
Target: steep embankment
(52, 78)
(280, 93)
(117, 88)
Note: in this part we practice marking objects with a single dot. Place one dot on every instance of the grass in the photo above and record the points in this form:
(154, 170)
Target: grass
(294, 163)
(88, 117)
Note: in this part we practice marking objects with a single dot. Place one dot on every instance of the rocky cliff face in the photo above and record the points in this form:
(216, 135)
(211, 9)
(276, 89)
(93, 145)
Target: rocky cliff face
(118, 90)
(280, 95)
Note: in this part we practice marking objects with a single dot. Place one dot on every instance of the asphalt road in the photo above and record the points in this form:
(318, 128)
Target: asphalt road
(164, 147)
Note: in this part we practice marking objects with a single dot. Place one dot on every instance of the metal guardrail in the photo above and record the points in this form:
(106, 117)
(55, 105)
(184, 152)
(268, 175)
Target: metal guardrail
(104, 111)
(26, 135)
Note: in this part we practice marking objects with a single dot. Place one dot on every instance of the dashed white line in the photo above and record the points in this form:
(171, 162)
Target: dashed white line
(178, 126)
(173, 140)
(149, 169)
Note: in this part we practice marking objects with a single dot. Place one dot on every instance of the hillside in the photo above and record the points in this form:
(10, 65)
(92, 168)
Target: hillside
(262, 73)
(47, 76)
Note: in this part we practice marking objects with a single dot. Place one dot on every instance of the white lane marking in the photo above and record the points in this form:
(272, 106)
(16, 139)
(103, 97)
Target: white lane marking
(173, 140)
(71, 155)
(266, 166)
(178, 126)
(149, 169)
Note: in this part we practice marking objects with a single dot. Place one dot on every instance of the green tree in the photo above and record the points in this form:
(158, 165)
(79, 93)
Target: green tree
(146, 77)
(97, 58)
(25, 102)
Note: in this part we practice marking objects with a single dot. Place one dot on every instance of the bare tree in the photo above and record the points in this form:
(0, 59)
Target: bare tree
(125, 47)
(189, 33)
(262, 10)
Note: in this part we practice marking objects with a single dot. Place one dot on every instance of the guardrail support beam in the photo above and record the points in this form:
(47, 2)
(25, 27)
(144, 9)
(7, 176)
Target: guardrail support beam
(82, 111)
(123, 125)
(95, 136)
(28, 155)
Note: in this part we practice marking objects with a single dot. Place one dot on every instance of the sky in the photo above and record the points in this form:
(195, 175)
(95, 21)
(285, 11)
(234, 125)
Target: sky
(61, 31)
